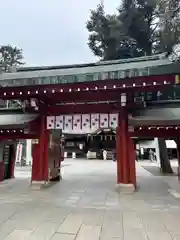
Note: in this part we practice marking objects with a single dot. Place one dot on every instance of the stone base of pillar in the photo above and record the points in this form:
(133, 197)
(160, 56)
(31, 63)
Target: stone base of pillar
(36, 185)
(125, 188)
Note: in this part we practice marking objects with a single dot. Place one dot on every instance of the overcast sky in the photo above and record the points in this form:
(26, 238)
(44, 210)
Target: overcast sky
(50, 32)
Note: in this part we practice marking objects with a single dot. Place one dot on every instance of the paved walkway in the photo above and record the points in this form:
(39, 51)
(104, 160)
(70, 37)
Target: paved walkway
(85, 206)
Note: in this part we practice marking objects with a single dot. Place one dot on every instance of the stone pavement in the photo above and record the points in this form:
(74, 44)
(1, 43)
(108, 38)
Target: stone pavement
(85, 206)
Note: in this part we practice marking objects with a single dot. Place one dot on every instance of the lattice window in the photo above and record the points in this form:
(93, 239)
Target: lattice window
(89, 77)
(121, 74)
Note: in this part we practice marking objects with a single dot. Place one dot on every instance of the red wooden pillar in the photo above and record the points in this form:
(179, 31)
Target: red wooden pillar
(118, 156)
(40, 154)
(35, 161)
(41, 146)
(46, 157)
(125, 152)
(122, 148)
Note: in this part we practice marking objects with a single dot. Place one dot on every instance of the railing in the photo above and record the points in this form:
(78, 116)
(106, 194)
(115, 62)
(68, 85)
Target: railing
(170, 94)
(10, 104)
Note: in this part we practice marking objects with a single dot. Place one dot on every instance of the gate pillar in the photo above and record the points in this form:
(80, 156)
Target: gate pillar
(40, 156)
(125, 155)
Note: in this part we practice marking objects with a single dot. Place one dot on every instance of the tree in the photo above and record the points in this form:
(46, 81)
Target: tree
(164, 161)
(139, 28)
(154, 24)
(138, 18)
(169, 31)
(107, 38)
(10, 57)
(177, 141)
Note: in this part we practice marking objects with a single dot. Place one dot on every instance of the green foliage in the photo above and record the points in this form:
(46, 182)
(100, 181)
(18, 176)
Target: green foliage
(169, 32)
(10, 57)
(138, 18)
(107, 38)
(139, 28)
(98, 26)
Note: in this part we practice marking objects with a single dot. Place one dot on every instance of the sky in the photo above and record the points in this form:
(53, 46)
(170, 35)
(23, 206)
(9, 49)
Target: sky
(50, 32)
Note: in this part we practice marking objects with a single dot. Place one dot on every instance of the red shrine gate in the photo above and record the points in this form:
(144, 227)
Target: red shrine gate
(107, 96)
(125, 133)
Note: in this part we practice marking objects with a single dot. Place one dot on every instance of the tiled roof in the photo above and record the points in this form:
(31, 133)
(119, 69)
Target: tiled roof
(99, 67)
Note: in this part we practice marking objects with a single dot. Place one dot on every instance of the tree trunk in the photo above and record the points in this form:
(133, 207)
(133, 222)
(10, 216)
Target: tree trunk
(178, 155)
(165, 163)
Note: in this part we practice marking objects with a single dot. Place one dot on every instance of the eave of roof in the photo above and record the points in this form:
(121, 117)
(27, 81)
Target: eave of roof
(86, 70)
(99, 63)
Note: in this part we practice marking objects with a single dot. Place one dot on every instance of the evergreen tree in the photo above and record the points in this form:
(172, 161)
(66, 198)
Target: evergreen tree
(139, 28)
(107, 38)
(10, 57)
(169, 20)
